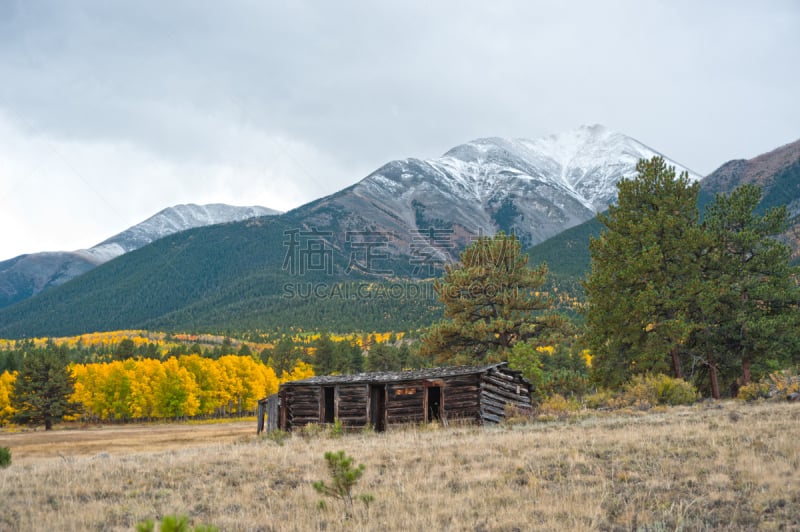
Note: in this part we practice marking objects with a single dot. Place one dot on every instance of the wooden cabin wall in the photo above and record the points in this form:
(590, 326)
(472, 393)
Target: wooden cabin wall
(351, 404)
(405, 402)
(499, 388)
(302, 405)
(461, 397)
(481, 396)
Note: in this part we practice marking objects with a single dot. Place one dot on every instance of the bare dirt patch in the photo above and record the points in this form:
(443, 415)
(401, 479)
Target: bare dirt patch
(29, 446)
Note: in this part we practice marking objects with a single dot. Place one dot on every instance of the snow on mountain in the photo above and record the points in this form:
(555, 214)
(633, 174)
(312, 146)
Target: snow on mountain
(533, 187)
(170, 221)
(587, 163)
(27, 275)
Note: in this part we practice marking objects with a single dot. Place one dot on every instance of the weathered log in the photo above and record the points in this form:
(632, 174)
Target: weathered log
(490, 417)
(486, 393)
(499, 393)
(498, 407)
(499, 375)
(459, 382)
(405, 419)
(466, 403)
(510, 385)
(353, 420)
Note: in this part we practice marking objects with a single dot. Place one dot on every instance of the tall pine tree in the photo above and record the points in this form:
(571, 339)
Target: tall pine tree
(43, 388)
(645, 271)
(751, 301)
(492, 300)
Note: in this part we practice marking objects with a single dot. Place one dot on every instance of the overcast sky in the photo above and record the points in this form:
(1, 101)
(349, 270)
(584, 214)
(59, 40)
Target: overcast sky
(111, 111)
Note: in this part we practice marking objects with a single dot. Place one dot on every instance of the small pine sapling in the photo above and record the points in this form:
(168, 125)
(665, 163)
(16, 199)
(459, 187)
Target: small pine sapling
(5, 457)
(174, 523)
(344, 477)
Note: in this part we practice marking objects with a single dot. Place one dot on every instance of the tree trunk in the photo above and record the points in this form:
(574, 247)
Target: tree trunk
(712, 368)
(48, 424)
(746, 375)
(676, 363)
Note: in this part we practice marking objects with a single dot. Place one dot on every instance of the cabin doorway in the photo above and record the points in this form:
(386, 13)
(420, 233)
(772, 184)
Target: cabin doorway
(433, 400)
(377, 406)
(329, 404)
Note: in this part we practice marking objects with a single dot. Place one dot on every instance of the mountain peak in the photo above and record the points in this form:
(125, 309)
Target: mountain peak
(535, 187)
(587, 162)
(27, 275)
(173, 220)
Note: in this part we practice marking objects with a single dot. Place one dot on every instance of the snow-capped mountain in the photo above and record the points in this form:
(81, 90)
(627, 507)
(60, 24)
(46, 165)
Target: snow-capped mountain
(27, 275)
(533, 187)
(170, 221)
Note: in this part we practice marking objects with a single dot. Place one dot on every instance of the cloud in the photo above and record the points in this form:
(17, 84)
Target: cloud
(280, 103)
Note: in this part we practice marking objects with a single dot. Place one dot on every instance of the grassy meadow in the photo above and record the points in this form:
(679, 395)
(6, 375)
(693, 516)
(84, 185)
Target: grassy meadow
(712, 466)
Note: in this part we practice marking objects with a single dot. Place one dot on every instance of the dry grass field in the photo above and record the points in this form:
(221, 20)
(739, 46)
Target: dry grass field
(728, 466)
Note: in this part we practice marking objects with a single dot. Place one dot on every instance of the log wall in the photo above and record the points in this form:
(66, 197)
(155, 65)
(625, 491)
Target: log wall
(481, 396)
(405, 403)
(461, 398)
(351, 404)
(302, 406)
(500, 388)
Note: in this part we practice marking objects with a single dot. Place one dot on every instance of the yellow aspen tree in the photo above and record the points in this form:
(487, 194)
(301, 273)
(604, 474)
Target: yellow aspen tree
(6, 386)
(301, 370)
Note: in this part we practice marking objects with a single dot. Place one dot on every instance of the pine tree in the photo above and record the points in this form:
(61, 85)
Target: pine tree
(384, 357)
(324, 361)
(492, 300)
(645, 272)
(751, 300)
(43, 389)
(284, 356)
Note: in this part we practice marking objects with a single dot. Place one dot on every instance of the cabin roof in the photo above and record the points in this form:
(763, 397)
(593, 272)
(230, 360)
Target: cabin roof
(381, 377)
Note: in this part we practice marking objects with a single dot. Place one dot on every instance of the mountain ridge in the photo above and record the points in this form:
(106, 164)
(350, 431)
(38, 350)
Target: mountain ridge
(29, 274)
(532, 187)
(235, 275)
(777, 172)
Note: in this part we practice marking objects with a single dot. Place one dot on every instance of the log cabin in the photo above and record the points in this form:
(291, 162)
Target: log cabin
(380, 399)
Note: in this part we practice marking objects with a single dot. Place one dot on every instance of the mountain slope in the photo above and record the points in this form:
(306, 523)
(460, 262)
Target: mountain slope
(215, 278)
(777, 172)
(239, 275)
(27, 275)
(535, 188)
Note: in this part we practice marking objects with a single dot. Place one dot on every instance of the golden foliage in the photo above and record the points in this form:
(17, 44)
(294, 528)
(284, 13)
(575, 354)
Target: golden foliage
(186, 386)
(301, 371)
(6, 385)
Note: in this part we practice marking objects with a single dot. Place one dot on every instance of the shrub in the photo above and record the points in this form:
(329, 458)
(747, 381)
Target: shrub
(515, 415)
(646, 391)
(559, 406)
(337, 429)
(753, 391)
(565, 381)
(311, 430)
(5, 457)
(599, 399)
(674, 392)
(278, 436)
(778, 384)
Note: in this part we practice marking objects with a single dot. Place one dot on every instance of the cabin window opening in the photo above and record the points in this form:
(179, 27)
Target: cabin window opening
(328, 407)
(434, 396)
